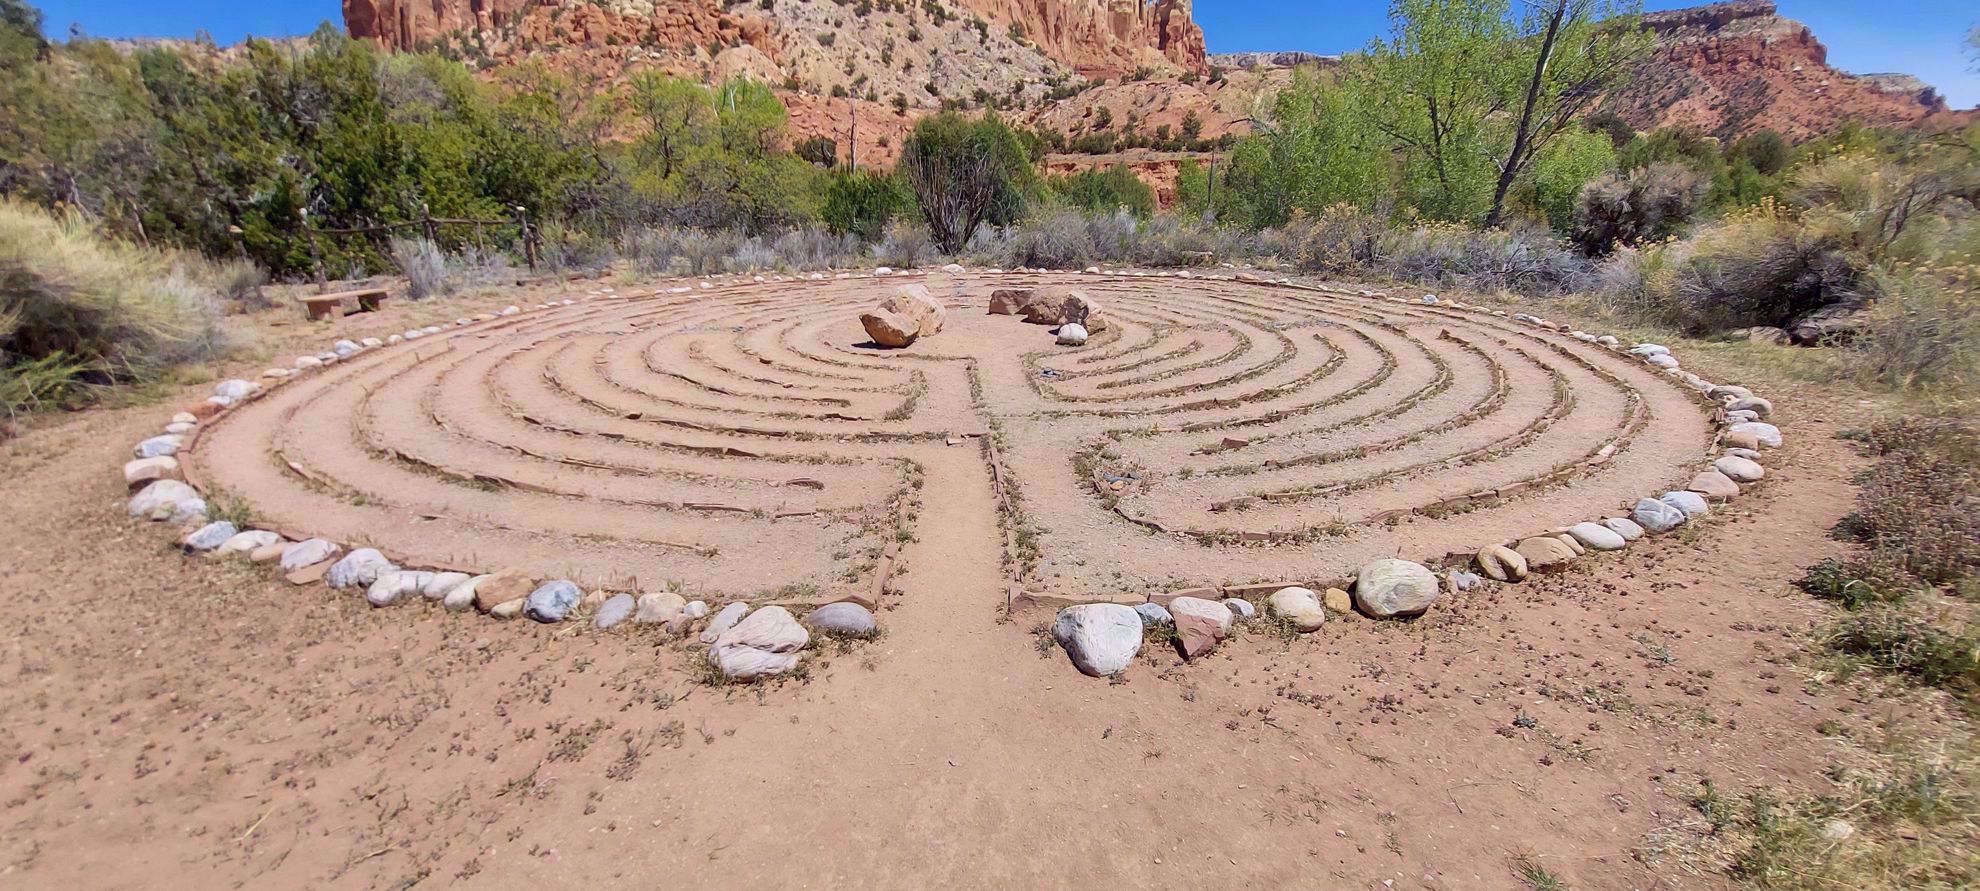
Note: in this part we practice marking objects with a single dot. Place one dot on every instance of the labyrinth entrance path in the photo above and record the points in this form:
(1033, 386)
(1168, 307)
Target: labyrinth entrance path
(748, 442)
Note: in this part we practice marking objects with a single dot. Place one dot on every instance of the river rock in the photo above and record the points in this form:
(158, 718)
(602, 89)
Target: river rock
(764, 643)
(615, 609)
(269, 553)
(180, 429)
(159, 446)
(1625, 527)
(235, 389)
(1154, 614)
(662, 608)
(1241, 608)
(308, 553)
(439, 584)
(359, 568)
(844, 619)
(508, 609)
(501, 587)
(1300, 607)
(1741, 417)
(1071, 334)
(552, 601)
(209, 536)
(1656, 516)
(1598, 537)
(1545, 553)
(1748, 454)
(1649, 349)
(696, 609)
(1200, 624)
(1573, 544)
(463, 595)
(1713, 484)
(1102, 639)
(1463, 581)
(1740, 470)
(723, 621)
(1728, 392)
(1691, 503)
(165, 500)
(1501, 563)
(1766, 434)
(396, 585)
(888, 329)
(1662, 360)
(1389, 588)
(248, 542)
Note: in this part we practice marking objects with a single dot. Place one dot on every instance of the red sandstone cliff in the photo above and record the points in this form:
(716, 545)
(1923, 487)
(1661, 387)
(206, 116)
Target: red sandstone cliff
(1729, 69)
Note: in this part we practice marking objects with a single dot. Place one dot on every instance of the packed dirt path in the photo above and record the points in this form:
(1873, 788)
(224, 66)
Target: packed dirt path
(181, 723)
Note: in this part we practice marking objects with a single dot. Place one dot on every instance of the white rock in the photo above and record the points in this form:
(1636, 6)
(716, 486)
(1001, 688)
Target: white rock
(1072, 334)
(696, 609)
(159, 446)
(723, 621)
(764, 643)
(1656, 516)
(165, 500)
(146, 470)
(1624, 527)
(372, 343)
(235, 389)
(358, 568)
(391, 587)
(395, 339)
(462, 596)
(1298, 606)
(1649, 349)
(1662, 360)
(1392, 587)
(1102, 639)
(245, 542)
(1153, 614)
(662, 608)
(1598, 537)
(185, 417)
(952, 268)
(511, 310)
(308, 553)
(1240, 608)
(1768, 434)
(441, 584)
(209, 536)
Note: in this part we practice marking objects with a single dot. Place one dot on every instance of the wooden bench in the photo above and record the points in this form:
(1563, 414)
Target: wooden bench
(323, 306)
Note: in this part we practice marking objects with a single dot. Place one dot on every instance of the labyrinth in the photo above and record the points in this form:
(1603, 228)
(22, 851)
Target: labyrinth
(747, 442)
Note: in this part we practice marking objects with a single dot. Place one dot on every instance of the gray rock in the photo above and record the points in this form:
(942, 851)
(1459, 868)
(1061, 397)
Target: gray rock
(395, 585)
(615, 609)
(552, 601)
(1624, 527)
(1760, 407)
(1741, 417)
(695, 609)
(164, 499)
(842, 620)
(1723, 392)
(1662, 360)
(442, 584)
(1649, 349)
(1656, 516)
(1154, 614)
(1748, 454)
(723, 621)
(1241, 608)
(1463, 581)
(1387, 588)
(210, 536)
(1740, 470)
(1691, 504)
(462, 595)
(159, 446)
(764, 643)
(1102, 639)
(359, 568)
(1768, 434)
(1596, 536)
(308, 553)
(179, 429)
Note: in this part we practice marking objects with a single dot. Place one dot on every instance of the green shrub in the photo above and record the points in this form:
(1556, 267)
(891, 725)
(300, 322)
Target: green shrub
(1106, 190)
(965, 173)
(1923, 328)
(1637, 207)
(862, 202)
(1761, 268)
(1888, 639)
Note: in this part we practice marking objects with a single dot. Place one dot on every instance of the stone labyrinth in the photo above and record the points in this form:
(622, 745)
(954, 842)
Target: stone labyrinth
(747, 442)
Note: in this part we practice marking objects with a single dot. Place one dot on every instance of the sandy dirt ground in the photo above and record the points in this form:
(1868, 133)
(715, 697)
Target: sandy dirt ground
(172, 722)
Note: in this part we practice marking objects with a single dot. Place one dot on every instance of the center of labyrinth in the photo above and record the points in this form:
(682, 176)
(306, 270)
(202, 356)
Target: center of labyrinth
(749, 443)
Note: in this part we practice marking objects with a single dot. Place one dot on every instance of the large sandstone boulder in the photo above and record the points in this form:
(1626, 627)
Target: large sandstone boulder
(913, 302)
(888, 329)
(1101, 638)
(1200, 624)
(1391, 587)
(1009, 301)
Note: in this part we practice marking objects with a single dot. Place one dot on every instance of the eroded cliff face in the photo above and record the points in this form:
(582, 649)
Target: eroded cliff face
(1729, 69)
(1096, 37)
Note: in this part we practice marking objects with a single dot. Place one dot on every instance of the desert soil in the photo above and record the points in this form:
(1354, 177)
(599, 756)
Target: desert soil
(184, 723)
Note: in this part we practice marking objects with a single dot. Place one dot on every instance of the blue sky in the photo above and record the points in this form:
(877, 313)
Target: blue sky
(1921, 37)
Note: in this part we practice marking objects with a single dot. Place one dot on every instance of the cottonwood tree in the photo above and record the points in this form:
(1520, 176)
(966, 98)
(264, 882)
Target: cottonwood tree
(1471, 92)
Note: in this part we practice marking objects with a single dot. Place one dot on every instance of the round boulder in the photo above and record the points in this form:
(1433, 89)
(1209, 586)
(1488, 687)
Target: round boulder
(1544, 553)
(616, 608)
(1072, 334)
(1501, 563)
(1758, 406)
(1713, 484)
(1300, 607)
(1100, 638)
(763, 644)
(1390, 588)
(1691, 503)
(1598, 537)
(1766, 434)
(662, 608)
(1154, 614)
(552, 601)
(843, 619)
(163, 499)
(1241, 608)
(359, 568)
(1624, 527)
(1656, 516)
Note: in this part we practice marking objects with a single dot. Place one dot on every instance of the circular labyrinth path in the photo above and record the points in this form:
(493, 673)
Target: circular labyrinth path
(747, 441)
